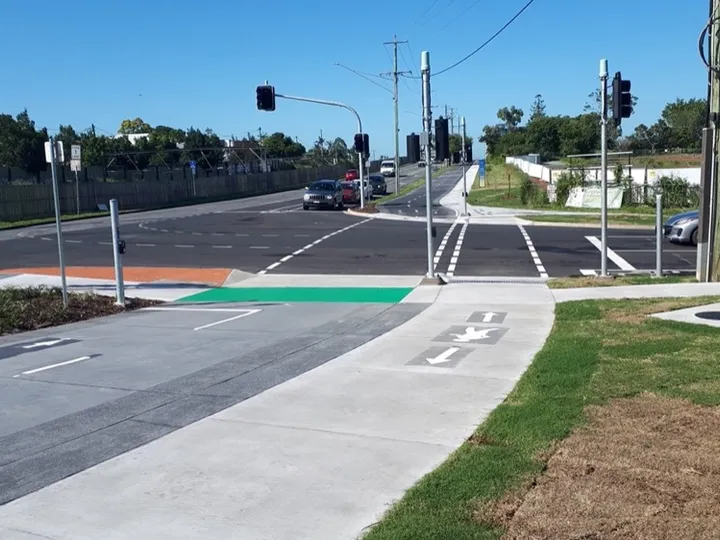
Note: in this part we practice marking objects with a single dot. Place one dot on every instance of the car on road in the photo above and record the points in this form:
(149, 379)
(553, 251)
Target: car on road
(351, 193)
(387, 168)
(378, 184)
(323, 194)
(352, 174)
(682, 228)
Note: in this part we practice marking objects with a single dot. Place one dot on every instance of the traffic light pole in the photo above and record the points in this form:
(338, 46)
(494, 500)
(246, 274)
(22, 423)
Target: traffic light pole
(427, 123)
(464, 160)
(603, 166)
(361, 169)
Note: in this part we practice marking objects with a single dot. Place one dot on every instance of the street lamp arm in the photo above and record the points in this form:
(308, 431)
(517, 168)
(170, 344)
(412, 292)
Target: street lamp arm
(325, 102)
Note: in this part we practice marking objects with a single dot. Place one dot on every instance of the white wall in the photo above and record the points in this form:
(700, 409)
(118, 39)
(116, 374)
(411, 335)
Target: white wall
(536, 171)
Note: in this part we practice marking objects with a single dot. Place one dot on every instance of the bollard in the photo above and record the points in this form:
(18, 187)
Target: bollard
(658, 234)
(115, 226)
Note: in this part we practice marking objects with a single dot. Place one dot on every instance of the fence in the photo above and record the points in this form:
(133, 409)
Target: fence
(31, 201)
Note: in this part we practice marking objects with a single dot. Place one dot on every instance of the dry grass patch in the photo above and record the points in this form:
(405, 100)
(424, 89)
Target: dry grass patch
(615, 281)
(645, 467)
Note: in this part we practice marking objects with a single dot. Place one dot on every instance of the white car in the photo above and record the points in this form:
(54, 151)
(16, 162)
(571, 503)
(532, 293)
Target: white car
(387, 168)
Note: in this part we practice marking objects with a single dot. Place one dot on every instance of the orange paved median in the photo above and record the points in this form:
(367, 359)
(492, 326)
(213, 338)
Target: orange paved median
(141, 274)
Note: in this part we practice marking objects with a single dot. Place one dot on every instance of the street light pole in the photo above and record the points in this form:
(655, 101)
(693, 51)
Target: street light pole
(427, 124)
(464, 160)
(603, 167)
(360, 131)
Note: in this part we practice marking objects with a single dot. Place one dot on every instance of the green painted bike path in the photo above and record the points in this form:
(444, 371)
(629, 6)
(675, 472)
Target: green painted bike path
(369, 295)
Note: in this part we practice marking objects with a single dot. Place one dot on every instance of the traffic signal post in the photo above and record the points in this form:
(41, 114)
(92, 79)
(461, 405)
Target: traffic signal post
(266, 102)
(425, 140)
(603, 167)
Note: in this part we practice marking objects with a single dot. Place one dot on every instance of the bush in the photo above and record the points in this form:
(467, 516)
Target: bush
(565, 183)
(531, 194)
(678, 192)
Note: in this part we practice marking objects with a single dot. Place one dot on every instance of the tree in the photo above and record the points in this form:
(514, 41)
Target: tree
(543, 135)
(455, 142)
(280, 145)
(685, 120)
(537, 110)
(134, 127)
(511, 117)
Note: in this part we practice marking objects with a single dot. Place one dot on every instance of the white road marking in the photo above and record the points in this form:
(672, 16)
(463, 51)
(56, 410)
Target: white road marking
(52, 366)
(588, 272)
(183, 246)
(105, 243)
(74, 241)
(443, 243)
(308, 246)
(229, 319)
(259, 247)
(456, 251)
(197, 309)
(43, 238)
(242, 234)
(533, 252)
(141, 245)
(222, 247)
(44, 343)
(614, 257)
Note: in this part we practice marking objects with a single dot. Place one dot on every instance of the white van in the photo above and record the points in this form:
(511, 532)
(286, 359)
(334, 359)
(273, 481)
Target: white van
(387, 167)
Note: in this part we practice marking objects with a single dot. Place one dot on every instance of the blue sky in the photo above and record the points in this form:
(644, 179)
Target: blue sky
(186, 63)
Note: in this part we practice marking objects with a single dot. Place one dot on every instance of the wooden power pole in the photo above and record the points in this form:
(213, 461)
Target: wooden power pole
(714, 108)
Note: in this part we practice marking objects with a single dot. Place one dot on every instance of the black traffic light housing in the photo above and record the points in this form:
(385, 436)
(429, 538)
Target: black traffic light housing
(621, 98)
(366, 145)
(442, 141)
(359, 143)
(265, 97)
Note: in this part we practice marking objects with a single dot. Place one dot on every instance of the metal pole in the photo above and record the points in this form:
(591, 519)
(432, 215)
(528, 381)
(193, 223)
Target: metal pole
(115, 226)
(464, 160)
(58, 222)
(704, 225)
(427, 123)
(77, 193)
(603, 166)
(658, 234)
(360, 173)
(193, 181)
(397, 121)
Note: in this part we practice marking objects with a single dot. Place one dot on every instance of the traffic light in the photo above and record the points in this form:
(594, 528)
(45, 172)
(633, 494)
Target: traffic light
(413, 148)
(621, 98)
(265, 98)
(442, 142)
(359, 143)
(366, 145)
(468, 153)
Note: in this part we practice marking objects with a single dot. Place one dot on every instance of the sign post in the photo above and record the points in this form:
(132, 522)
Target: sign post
(193, 168)
(75, 165)
(54, 153)
(115, 228)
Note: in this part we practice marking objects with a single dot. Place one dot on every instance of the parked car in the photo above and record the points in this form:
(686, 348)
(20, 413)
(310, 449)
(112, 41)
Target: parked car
(387, 168)
(323, 194)
(351, 193)
(352, 174)
(378, 184)
(682, 228)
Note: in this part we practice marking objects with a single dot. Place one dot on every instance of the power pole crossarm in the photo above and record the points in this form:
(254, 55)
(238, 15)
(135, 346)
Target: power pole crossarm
(395, 74)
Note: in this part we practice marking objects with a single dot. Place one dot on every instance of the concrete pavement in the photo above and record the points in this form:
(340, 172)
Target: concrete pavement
(318, 456)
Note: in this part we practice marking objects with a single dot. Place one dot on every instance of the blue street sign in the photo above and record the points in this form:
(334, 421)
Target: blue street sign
(481, 163)
(193, 165)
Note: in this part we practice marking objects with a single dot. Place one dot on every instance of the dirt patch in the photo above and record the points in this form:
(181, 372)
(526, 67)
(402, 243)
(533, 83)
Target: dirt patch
(647, 467)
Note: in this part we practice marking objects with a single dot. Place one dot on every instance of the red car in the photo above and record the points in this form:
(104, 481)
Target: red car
(352, 174)
(351, 193)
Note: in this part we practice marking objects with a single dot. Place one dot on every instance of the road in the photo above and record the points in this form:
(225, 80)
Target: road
(415, 202)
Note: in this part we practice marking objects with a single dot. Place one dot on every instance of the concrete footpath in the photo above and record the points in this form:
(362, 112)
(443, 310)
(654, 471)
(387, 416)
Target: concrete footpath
(322, 455)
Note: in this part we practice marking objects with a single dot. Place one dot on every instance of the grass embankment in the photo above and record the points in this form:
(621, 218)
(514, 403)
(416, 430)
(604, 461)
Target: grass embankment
(33, 308)
(602, 434)
(44, 221)
(616, 281)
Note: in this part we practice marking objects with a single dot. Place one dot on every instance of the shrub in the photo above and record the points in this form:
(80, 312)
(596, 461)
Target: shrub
(565, 183)
(678, 192)
(527, 190)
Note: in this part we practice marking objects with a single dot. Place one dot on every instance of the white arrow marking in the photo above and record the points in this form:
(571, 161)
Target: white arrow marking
(443, 357)
(472, 333)
(43, 343)
(489, 316)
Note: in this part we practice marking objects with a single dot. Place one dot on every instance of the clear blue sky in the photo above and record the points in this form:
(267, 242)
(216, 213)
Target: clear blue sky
(186, 63)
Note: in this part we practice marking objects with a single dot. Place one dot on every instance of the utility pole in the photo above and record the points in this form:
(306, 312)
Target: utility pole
(713, 241)
(427, 124)
(603, 166)
(452, 121)
(395, 74)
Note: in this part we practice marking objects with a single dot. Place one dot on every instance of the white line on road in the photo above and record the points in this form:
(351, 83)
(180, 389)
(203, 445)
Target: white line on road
(142, 245)
(183, 246)
(442, 245)
(456, 251)
(74, 241)
(51, 366)
(229, 319)
(259, 247)
(43, 238)
(308, 246)
(222, 247)
(614, 257)
(533, 252)
(197, 309)
(588, 272)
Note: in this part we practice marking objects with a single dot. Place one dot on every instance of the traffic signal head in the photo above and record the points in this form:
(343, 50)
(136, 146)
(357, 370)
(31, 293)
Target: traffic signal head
(359, 143)
(621, 98)
(366, 145)
(265, 98)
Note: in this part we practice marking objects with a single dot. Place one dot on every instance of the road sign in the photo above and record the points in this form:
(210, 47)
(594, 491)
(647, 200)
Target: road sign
(481, 164)
(75, 152)
(193, 165)
(75, 165)
(59, 152)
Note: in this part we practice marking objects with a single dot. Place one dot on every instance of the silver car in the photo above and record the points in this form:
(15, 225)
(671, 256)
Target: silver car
(682, 228)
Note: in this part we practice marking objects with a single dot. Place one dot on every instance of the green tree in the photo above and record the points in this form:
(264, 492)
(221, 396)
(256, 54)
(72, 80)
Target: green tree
(455, 142)
(537, 110)
(511, 117)
(685, 120)
(133, 127)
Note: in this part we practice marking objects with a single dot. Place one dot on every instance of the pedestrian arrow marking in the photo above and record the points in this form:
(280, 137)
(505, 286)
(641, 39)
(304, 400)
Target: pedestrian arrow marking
(495, 317)
(473, 334)
(443, 357)
(48, 343)
(440, 357)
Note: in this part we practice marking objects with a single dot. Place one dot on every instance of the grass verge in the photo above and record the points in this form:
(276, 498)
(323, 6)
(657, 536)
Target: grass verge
(32, 308)
(616, 281)
(44, 221)
(598, 351)
(639, 220)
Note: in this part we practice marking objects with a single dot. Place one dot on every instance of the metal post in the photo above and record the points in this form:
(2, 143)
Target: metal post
(115, 226)
(361, 173)
(77, 193)
(706, 188)
(603, 167)
(464, 160)
(658, 234)
(193, 182)
(427, 123)
(58, 222)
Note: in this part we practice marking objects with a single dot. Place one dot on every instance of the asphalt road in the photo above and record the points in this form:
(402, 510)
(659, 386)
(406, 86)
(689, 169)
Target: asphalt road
(414, 204)
(114, 384)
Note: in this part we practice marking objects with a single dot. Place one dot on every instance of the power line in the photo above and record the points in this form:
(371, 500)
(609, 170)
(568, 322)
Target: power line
(424, 13)
(487, 42)
(366, 76)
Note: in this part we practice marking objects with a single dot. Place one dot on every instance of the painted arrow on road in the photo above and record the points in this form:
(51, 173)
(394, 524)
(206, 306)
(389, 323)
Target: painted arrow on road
(488, 317)
(473, 334)
(443, 357)
(48, 343)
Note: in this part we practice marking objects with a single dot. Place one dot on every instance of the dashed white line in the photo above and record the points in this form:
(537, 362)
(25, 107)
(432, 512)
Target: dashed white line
(535, 256)
(43, 238)
(308, 246)
(183, 246)
(456, 251)
(242, 234)
(52, 366)
(614, 257)
(74, 241)
(222, 247)
(142, 245)
(443, 243)
(259, 247)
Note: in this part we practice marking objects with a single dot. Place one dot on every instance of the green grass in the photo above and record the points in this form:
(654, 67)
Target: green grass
(598, 350)
(44, 221)
(613, 219)
(589, 281)
(659, 161)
